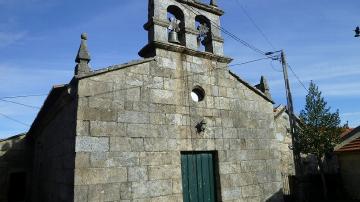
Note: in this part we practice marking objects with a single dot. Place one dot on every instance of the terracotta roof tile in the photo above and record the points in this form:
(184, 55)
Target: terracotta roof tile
(346, 132)
(351, 146)
(350, 141)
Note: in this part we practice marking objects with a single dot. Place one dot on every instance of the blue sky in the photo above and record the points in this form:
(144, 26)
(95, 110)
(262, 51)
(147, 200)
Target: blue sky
(39, 40)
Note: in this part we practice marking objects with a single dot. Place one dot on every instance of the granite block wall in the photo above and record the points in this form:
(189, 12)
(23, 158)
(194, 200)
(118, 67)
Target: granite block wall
(14, 158)
(54, 157)
(283, 136)
(133, 122)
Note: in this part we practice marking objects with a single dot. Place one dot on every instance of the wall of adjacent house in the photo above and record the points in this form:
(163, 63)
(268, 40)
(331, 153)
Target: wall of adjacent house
(350, 172)
(132, 124)
(283, 136)
(14, 155)
(53, 163)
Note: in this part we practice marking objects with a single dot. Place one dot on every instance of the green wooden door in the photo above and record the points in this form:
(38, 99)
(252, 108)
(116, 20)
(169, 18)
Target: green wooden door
(198, 177)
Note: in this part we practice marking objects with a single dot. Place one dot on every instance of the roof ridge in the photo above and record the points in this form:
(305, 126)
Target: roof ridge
(116, 67)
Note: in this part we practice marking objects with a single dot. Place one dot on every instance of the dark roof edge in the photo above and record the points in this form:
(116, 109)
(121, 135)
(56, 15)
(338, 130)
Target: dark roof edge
(13, 137)
(149, 50)
(280, 109)
(251, 87)
(212, 9)
(116, 67)
(53, 96)
(351, 133)
(354, 134)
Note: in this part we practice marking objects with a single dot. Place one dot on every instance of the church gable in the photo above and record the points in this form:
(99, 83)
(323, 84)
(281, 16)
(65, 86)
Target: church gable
(138, 126)
(142, 126)
(173, 126)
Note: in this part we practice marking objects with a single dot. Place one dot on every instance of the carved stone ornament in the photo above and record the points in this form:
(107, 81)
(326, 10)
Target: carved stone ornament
(203, 33)
(174, 24)
(203, 30)
(201, 126)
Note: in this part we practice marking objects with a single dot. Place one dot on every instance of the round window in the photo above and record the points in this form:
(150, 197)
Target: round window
(197, 94)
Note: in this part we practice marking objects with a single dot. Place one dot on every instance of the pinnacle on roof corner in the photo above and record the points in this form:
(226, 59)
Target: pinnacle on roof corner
(213, 3)
(83, 57)
(83, 53)
(263, 86)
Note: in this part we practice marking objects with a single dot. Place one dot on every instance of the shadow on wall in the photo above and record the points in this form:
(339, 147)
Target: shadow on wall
(277, 197)
(309, 188)
(14, 164)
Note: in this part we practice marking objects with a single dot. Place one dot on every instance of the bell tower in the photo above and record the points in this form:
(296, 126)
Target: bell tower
(186, 26)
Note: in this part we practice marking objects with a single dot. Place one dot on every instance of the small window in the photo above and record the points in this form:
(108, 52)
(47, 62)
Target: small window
(198, 94)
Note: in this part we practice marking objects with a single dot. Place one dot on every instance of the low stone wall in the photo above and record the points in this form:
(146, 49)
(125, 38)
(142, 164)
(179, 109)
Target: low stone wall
(350, 173)
(54, 156)
(14, 158)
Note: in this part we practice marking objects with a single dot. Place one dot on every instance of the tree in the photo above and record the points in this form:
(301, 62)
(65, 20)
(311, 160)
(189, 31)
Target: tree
(320, 130)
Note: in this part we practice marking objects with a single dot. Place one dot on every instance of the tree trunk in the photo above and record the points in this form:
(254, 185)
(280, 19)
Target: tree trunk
(323, 180)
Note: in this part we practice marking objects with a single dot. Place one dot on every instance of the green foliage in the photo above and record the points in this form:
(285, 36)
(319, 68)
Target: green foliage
(321, 129)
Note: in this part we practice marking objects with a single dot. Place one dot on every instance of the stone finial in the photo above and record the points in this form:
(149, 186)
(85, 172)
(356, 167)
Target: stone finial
(264, 87)
(213, 3)
(83, 57)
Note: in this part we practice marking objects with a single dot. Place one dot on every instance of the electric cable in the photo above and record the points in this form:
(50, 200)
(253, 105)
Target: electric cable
(23, 96)
(297, 77)
(228, 33)
(272, 67)
(18, 103)
(251, 61)
(173, 78)
(256, 26)
(15, 120)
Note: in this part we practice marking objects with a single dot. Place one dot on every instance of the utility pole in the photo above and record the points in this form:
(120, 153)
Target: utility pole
(299, 190)
(293, 125)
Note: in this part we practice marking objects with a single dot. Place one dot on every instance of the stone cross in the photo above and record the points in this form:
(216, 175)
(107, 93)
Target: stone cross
(174, 24)
(203, 30)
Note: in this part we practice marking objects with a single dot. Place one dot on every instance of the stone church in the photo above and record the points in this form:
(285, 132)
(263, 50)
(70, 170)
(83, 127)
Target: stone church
(176, 125)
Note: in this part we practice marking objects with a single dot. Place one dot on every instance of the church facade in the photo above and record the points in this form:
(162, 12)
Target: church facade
(176, 125)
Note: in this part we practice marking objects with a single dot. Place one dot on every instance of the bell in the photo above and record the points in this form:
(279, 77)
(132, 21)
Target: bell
(173, 37)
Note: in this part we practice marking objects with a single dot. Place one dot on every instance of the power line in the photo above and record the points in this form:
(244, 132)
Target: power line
(256, 26)
(193, 74)
(271, 44)
(174, 78)
(23, 96)
(293, 72)
(298, 78)
(18, 103)
(272, 67)
(15, 120)
(251, 61)
(227, 32)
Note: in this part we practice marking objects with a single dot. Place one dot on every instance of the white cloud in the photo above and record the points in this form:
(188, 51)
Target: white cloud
(22, 2)
(350, 114)
(341, 89)
(24, 80)
(8, 38)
